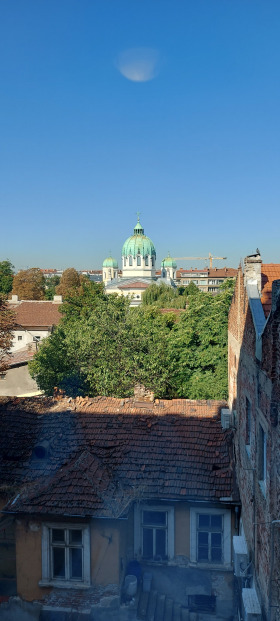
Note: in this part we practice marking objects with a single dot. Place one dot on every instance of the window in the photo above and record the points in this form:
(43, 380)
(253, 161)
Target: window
(146, 260)
(248, 424)
(153, 261)
(138, 260)
(65, 555)
(36, 339)
(124, 262)
(130, 260)
(210, 536)
(262, 457)
(19, 338)
(154, 532)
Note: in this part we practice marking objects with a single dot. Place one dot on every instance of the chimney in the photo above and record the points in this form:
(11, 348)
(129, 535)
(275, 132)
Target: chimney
(57, 299)
(253, 270)
(14, 299)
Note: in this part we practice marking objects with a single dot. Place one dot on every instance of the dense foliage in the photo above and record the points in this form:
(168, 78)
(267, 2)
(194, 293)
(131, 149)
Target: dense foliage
(6, 277)
(29, 284)
(104, 347)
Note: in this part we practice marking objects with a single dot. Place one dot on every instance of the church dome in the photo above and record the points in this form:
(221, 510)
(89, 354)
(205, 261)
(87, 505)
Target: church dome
(169, 262)
(110, 262)
(138, 244)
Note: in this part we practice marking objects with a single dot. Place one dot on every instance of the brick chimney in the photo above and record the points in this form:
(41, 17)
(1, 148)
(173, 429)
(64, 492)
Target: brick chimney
(253, 270)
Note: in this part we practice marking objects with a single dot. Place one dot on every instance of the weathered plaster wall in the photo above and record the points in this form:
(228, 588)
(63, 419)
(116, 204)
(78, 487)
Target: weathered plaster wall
(29, 559)
(105, 552)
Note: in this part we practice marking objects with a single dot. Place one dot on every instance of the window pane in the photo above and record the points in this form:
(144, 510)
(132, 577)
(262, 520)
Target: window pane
(216, 555)
(203, 538)
(203, 520)
(160, 542)
(202, 553)
(58, 535)
(156, 518)
(76, 563)
(148, 543)
(216, 521)
(216, 539)
(58, 562)
(75, 536)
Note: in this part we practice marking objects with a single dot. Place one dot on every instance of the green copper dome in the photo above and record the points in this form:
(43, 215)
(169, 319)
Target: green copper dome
(138, 243)
(169, 262)
(110, 262)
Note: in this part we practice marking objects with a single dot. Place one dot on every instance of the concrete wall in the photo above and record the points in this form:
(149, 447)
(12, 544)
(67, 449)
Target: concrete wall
(17, 381)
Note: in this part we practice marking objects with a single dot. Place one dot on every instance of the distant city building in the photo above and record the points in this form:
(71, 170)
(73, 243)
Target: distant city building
(206, 279)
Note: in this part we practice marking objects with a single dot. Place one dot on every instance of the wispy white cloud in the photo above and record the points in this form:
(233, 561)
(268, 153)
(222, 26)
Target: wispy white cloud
(139, 64)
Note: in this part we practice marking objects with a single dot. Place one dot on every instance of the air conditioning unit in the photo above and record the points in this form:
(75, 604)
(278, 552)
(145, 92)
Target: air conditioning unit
(251, 606)
(240, 556)
(226, 418)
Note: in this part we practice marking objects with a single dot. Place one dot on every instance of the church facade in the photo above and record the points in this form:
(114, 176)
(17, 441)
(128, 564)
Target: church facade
(138, 268)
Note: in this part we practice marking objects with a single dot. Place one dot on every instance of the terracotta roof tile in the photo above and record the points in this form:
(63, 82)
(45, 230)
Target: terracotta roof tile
(106, 453)
(270, 272)
(37, 314)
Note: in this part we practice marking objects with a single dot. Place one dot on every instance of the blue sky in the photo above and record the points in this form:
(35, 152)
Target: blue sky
(195, 149)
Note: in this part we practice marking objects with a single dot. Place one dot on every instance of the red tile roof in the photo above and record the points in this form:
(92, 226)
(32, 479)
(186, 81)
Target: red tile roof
(36, 314)
(270, 272)
(133, 285)
(107, 453)
(222, 272)
(21, 355)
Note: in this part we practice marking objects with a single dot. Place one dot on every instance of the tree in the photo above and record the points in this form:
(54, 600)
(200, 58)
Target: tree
(29, 284)
(7, 325)
(6, 277)
(50, 286)
(198, 348)
(70, 281)
(163, 296)
(104, 347)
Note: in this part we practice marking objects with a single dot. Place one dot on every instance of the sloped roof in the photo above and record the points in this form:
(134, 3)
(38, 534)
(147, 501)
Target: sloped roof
(36, 314)
(270, 272)
(105, 453)
(20, 356)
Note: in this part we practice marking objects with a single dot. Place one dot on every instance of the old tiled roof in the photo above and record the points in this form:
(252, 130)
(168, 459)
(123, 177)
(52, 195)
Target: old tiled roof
(105, 453)
(222, 272)
(137, 284)
(20, 356)
(37, 314)
(270, 272)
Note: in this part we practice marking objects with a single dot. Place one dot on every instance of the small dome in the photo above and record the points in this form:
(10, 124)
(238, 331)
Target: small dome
(110, 262)
(169, 262)
(138, 243)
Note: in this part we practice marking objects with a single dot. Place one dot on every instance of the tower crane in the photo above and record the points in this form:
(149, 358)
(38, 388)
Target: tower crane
(210, 257)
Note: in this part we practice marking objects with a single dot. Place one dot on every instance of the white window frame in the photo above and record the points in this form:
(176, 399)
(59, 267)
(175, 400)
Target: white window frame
(226, 513)
(138, 539)
(47, 579)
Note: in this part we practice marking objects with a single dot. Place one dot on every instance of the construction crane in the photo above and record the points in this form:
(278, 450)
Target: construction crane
(210, 257)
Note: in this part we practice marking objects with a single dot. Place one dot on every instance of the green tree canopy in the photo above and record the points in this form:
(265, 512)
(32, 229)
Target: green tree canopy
(102, 346)
(29, 284)
(51, 283)
(6, 276)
